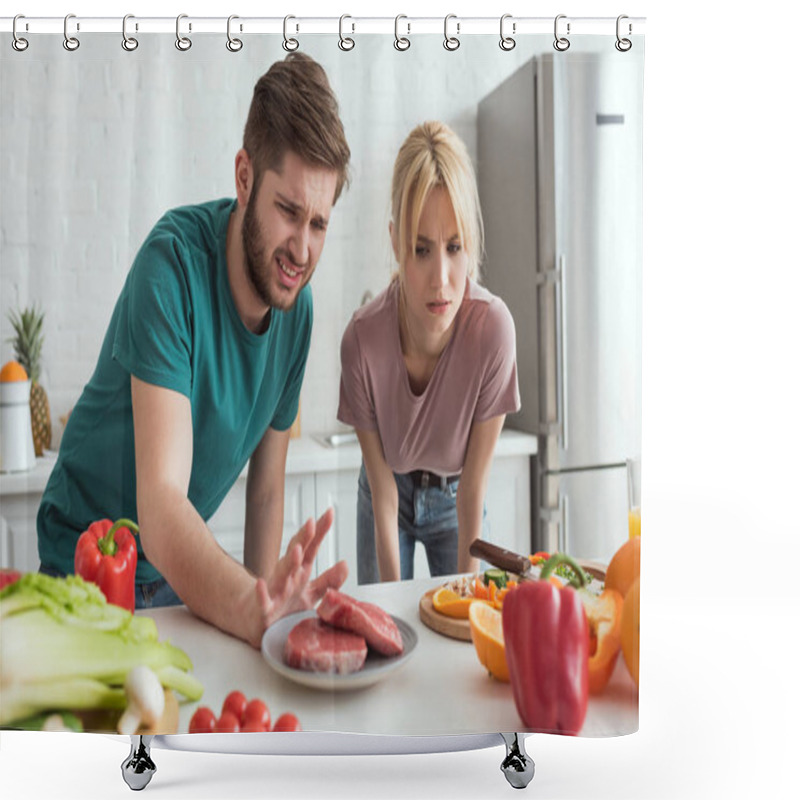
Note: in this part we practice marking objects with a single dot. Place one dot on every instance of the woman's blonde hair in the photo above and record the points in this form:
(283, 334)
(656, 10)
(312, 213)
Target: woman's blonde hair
(432, 156)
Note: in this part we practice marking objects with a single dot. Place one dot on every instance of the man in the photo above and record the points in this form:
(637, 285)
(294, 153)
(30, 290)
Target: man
(201, 369)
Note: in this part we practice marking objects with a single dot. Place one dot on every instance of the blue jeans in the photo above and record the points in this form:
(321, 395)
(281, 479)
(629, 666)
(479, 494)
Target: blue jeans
(427, 516)
(148, 595)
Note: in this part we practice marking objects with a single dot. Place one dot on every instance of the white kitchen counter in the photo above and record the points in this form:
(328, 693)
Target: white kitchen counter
(306, 454)
(442, 689)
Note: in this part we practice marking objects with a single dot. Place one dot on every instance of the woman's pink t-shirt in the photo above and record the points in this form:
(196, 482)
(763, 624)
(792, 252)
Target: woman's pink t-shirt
(474, 380)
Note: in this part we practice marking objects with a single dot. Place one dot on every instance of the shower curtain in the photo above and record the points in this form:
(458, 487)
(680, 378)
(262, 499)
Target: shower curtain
(99, 141)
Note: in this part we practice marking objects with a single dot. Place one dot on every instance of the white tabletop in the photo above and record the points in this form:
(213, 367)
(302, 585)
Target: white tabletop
(442, 689)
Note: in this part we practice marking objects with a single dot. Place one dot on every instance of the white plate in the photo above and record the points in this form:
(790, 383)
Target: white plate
(375, 668)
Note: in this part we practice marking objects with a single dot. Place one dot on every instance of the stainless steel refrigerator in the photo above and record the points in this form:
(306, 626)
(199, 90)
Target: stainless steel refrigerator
(560, 176)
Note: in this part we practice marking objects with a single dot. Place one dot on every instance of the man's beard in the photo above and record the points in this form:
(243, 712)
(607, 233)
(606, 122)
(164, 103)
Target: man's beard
(258, 264)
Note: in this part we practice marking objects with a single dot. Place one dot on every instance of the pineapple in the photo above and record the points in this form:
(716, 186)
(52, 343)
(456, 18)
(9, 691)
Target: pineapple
(28, 349)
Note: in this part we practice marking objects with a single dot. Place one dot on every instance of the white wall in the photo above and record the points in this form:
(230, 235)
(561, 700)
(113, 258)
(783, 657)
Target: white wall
(97, 144)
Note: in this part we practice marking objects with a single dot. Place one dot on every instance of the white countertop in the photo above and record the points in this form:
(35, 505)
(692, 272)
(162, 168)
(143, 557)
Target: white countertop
(442, 689)
(306, 454)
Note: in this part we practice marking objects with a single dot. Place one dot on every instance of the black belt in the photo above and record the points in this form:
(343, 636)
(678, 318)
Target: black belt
(423, 479)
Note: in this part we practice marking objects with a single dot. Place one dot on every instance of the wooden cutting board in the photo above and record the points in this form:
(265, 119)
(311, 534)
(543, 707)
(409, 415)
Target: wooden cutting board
(447, 626)
(459, 628)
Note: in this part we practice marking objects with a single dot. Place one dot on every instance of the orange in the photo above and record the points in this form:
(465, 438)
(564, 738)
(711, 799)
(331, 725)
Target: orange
(624, 567)
(486, 627)
(630, 631)
(447, 602)
(13, 371)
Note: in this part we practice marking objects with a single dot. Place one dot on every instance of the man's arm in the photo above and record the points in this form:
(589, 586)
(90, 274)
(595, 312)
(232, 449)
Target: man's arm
(384, 504)
(174, 536)
(472, 487)
(266, 476)
(178, 543)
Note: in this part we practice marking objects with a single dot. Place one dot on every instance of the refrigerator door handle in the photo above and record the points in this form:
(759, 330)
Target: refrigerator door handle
(561, 349)
(562, 526)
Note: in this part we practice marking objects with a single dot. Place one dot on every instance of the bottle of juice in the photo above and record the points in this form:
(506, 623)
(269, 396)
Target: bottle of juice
(634, 522)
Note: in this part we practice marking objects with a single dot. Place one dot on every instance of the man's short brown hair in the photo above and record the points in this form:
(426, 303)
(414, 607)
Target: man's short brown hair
(294, 108)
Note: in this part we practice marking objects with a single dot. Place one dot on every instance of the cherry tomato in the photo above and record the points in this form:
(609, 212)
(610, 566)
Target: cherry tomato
(257, 712)
(235, 703)
(287, 722)
(227, 723)
(8, 576)
(253, 726)
(203, 721)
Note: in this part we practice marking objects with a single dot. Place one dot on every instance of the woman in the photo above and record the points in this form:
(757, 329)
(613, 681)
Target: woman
(428, 371)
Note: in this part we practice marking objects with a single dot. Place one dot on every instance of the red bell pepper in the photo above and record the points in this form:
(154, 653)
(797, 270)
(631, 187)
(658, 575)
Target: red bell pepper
(547, 649)
(106, 555)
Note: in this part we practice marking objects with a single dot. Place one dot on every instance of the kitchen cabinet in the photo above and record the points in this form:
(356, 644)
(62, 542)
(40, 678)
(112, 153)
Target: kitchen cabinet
(334, 484)
(227, 524)
(317, 477)
(507, 507)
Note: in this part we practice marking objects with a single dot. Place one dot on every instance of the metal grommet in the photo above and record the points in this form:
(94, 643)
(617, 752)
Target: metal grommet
(70, 42)
(17, 42)
(451, 42)
(233, 44)
(345, 42)
(129, 43)
(289, 44)
(623, 45)
(183, 43)
(401, 42)
(561, 43)
(507, 42)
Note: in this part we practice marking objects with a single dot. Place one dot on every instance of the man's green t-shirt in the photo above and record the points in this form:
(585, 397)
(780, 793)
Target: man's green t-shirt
(174, 325)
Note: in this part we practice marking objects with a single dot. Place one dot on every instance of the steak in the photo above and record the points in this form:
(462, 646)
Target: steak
(364, 619)
(316, 647)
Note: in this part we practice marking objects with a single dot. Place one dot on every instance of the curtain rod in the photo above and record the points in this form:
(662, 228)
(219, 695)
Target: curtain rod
(347, 25)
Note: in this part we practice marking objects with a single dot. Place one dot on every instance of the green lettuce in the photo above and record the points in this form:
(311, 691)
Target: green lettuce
(62, 646)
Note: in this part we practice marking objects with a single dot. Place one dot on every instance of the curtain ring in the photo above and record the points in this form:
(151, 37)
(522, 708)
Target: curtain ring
(345, 42)
(401, 42)
(451, 42)
(561, 43)
(71, 43)
(234, 45)
(183, 43)
(289, 44)
(623, 45)
(507, 42)
(129, 43)
(18, 43)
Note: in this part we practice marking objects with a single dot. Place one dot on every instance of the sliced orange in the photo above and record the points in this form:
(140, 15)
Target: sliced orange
(13, 371)
(447, 602)
(486, 627)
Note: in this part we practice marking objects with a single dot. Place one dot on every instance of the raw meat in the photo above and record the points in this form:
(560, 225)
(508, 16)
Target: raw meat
(314, 646)
(365, 619)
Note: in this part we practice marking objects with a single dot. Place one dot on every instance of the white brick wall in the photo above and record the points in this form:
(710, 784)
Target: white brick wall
(97, 144)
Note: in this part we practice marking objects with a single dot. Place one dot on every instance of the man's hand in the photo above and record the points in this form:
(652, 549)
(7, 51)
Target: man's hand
(289, 587)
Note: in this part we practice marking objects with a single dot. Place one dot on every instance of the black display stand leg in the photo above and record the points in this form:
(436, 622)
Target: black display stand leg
(517, 766)
(138, 768)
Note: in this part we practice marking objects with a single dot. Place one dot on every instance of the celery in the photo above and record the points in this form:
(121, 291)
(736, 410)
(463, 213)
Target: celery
(62, 646)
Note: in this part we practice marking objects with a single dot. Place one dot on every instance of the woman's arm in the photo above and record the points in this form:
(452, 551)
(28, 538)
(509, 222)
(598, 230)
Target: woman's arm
(472, 487)
(384, 504)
